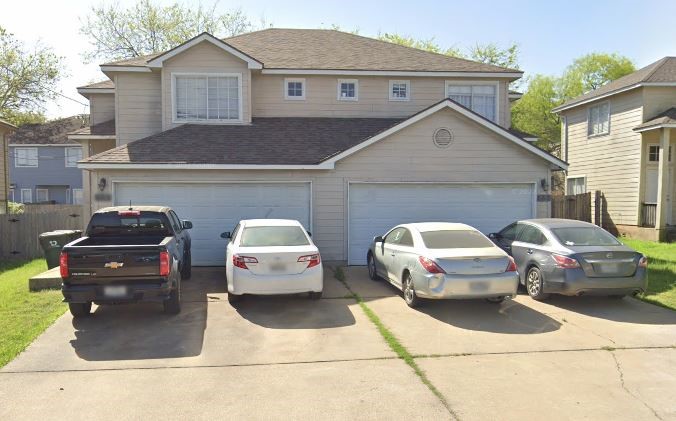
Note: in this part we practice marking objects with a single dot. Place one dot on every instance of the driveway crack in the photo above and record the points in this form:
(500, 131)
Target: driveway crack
(626, 389)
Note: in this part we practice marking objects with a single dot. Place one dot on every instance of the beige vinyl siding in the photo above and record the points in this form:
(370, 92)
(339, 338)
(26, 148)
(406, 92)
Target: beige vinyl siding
(203, 58)
(138, 102)
(373, 98)
(611, 163)
(477, 155)
(657, 100)
(101, 108)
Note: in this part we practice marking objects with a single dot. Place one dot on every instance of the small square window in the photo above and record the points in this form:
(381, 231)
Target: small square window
(348, 90)
(400, 90)
(654, 153)
(294, 89)
(72, 156)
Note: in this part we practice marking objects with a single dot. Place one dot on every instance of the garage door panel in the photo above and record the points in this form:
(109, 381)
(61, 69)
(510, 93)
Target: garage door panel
(375, 208)
(215, 208)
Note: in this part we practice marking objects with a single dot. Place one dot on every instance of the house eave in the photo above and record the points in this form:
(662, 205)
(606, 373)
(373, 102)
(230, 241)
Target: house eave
(611, 93)
(655, 126)
(178, 166)
(395, 73)
(91, 137)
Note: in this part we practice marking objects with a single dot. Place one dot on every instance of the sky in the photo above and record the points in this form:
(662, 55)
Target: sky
(550, 34)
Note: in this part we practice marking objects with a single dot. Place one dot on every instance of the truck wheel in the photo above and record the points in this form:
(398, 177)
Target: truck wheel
(172, 305)
(80, 309)
(186, 269)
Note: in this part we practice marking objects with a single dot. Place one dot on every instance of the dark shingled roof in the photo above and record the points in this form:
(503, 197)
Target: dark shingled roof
(104, 84)
(661, 71)
(107, 128)
(266, 141)
(323, 49)
(54, 132)
(667, 117)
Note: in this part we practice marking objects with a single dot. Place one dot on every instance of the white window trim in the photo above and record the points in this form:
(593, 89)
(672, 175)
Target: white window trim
(469, 82)
(79, 148)
(16, 158)
(356, 89)
(30, 194)
(589, 127)
(72, 196)
(286, 89)
(206, 121)
(408, 90)
(647, 154)
(575, 177)
(37, 195)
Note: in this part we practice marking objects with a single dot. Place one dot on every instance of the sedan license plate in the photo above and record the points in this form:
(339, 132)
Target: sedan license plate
(115, 291)
(609, 267)
(478, 286)
(277, 267)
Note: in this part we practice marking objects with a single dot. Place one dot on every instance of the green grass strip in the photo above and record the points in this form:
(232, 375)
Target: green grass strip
(394, 343)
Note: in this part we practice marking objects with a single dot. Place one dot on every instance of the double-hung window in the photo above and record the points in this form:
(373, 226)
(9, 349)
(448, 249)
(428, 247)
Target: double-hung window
(72, 156)
(25, 157)
(41, 195)
(26, 196)
(294, 89)
(214, 98)
(400, 90)
(576, 185)
(598, 120)
(348, 90)
(482, 99)
(77, 196)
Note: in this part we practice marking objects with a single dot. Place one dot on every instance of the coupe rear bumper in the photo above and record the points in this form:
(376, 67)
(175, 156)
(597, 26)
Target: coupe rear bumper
(440, 286)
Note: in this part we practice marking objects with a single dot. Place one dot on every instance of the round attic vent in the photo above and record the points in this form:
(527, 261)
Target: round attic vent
(443, 137)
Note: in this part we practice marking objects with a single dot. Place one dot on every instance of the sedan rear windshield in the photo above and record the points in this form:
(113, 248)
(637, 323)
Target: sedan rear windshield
(455, 239)
(585, 236)
(273, 236)
(114, 224)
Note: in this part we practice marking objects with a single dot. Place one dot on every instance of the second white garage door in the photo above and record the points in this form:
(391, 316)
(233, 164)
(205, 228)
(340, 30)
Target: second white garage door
(375, 208)
(214, 208)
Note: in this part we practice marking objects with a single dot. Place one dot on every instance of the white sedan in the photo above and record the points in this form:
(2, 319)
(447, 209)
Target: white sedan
(442, 260)
(272, 256)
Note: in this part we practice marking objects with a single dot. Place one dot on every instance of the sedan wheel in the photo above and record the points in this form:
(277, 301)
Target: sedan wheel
(371, 263)
(534, 284)
(409, 292)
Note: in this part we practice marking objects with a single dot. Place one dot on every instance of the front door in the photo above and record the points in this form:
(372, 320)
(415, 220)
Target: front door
(650, 195)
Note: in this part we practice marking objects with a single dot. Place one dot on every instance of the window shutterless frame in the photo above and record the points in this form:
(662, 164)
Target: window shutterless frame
(597, 116)
(291, 91)
(346, 83)
(206, 120)
(400, 90)
(26, 157)
(476, 83)
(73, 154)
(573, 182)
(41, 195)
(26, 196)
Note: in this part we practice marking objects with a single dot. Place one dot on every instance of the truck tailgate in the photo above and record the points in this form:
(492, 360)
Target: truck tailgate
(97, 265)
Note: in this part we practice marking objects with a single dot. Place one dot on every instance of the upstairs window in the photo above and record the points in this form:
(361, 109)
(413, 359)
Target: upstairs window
(294, 89)
(598, 120)
(482, 99)
(26, 157)
(72, 156)
(348, 89)
(400, 90)
(208, 98)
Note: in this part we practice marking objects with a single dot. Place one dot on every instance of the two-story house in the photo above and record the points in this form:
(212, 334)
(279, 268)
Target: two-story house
(619, 139)
(347, 134)
(5, 130)
(43, 162)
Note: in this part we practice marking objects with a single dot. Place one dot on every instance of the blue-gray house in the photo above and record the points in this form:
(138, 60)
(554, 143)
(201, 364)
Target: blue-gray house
(43, 162)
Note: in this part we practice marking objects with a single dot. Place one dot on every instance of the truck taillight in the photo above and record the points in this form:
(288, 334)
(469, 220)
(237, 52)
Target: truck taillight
(311, 259)
(63, 264)
(241, 261)
(164, 263)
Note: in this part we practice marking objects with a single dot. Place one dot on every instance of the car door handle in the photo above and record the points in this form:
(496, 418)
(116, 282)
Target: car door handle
(392, 254)
(529, 251)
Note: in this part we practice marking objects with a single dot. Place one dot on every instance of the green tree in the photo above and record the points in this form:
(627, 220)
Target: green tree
(592, 71)
(147, 27)
(28, 78)
(491, 53)
(533, 112)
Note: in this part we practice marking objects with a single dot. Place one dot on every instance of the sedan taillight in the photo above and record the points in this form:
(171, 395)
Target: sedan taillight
(241, 261)
(312, 259)
(430, 265)
(565, 262)
(164, 263)
(63, 264)
(511, 266)
(643, 263)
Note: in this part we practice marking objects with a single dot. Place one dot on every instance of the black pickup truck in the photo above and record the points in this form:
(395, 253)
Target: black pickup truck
(128, 254)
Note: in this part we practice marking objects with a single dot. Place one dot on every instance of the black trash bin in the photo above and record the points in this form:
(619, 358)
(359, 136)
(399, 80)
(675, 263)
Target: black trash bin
(53, 241)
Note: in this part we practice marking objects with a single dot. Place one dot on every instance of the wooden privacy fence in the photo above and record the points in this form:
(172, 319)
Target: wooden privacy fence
(576, 206)
(19, 233)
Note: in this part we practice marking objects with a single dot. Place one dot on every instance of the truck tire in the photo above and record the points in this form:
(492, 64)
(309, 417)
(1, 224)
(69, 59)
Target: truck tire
(186, 268)
(172, 305)
(80, 309)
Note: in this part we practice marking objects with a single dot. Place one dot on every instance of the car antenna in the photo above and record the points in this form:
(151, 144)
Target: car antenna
(130, 205)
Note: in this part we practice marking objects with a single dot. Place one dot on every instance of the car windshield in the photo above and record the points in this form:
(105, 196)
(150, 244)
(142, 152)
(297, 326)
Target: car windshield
(273, 236)
(585, 236)
(454, 239)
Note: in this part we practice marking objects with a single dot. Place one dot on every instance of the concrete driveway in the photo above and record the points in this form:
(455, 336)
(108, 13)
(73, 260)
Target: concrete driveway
(290, 357)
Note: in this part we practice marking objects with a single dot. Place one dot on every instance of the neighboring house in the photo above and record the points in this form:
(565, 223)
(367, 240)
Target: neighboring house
(5, 130)
(43, 162)
(615, 139)
(347, 134)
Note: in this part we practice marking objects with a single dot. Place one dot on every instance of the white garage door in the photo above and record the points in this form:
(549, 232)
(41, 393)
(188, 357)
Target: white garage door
(375, 208)
(214, 208)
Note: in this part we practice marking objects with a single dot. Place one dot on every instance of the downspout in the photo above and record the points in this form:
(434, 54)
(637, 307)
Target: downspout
(5, 150)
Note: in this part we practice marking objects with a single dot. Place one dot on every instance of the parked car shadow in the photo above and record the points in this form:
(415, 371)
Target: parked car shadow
(296, 312)
(626, 310)
(143, 331)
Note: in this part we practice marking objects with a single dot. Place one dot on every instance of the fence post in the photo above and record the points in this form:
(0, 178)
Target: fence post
(597, 208)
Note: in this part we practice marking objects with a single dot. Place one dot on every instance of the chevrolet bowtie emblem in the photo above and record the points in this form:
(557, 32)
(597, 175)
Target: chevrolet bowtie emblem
(113, 265)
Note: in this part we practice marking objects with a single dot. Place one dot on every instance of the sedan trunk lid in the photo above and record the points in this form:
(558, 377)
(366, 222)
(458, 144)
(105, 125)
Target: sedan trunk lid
(470, 261)
(277, 260)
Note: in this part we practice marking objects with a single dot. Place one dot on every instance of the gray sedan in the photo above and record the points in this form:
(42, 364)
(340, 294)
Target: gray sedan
(442, 260)
(570, 257)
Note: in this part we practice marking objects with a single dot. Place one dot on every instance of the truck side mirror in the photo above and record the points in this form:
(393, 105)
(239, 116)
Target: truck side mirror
(226, 235)
(187, 224)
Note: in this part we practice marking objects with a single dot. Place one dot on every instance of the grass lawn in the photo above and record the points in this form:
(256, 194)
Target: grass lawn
(661, 271)
(23, 314)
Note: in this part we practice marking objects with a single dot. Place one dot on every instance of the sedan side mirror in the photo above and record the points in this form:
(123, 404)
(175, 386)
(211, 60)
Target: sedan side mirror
(493, 236)
(309, 234)
(226, 235)
(187, 224)
(378, 239)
